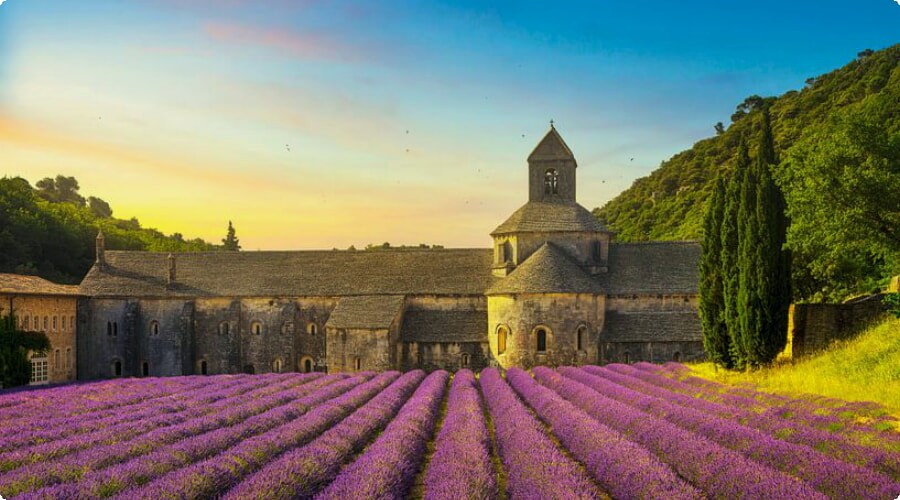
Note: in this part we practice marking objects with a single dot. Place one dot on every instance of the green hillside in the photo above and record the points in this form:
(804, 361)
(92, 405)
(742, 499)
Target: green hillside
(669, 203)
(50, 230)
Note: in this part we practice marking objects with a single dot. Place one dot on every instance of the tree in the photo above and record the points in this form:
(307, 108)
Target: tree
(99, 207)
(716, 340)
(729, 247)
(60, 190)
(15, 367)
(719, 128)
(231, 243)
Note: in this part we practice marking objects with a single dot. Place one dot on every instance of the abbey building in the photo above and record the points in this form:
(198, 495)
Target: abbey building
(555, 289)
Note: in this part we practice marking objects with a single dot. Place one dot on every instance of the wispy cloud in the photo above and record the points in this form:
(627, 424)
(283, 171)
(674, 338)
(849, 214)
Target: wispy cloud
(309, 45)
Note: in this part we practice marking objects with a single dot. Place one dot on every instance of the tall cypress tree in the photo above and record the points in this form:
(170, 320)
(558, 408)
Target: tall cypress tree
(729, 249)
(716, 340)
(748, 307)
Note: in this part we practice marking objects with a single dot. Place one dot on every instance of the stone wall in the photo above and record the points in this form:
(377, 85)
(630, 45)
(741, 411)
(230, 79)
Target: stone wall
(449, 356)
(814, 326)
(653, 352)
(55, 316)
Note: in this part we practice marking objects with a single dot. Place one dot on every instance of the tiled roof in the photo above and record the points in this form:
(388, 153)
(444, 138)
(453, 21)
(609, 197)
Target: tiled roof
(548, 270)
(429, 325)
(647, 326)
(33, 285)
(293, 274)
(551, 147)
(536, 216)
(366, 311)
(653, 268)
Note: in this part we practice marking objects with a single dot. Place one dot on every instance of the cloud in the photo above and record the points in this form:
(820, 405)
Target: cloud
(314, 46)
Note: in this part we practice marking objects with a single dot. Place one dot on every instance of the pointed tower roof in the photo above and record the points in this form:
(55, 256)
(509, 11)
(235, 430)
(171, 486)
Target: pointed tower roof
(551, 147)
(547, 270)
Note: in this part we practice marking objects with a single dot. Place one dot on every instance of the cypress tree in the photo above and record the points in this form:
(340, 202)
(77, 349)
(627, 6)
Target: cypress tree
(748, 307)
(729, 249)
(716, 340)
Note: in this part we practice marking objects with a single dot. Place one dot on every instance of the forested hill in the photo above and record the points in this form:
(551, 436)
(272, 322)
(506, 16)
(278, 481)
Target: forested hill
(669, 203)
(50, 230)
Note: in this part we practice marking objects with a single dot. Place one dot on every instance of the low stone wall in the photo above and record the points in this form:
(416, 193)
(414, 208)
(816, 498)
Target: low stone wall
(814, 326)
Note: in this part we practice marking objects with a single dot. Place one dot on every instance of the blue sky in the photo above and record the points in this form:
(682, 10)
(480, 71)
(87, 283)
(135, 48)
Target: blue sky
(318, 124)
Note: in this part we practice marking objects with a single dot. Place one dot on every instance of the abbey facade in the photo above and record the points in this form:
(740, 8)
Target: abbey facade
(555, 289)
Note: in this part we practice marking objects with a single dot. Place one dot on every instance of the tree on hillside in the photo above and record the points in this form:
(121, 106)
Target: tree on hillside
(716, 340)
(15, 367)
(231, 242)
(99, 207)
(60, 190)
(729, 248)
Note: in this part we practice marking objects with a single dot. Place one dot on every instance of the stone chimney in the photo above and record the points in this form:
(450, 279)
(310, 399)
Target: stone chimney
(170, 280)
(101, 249)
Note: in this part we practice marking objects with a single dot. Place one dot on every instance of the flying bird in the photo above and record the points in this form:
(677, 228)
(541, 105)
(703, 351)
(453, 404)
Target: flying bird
(631, 159)
(287, 146)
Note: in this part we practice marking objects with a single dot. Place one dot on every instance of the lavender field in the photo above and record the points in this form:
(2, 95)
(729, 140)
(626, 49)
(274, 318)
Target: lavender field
(638, 431)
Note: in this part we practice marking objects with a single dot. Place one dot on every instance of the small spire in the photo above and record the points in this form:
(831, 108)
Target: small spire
(170, 281)
(551, 123)
(100, 248)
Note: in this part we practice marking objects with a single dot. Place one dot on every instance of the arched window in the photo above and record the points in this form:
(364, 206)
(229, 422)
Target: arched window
(551, 181)
(358, 364)
(154, 328)
(502, 333)
(676, 357)
(56, 360)
(109, 328)
(276, 365)
(256, 328)
(204, 370)
(541, 339)
(63, 325)
(115, 328)
(145, 369)
(46, 323)
(626, 358)
(117, 368)
(464, 359)
(579, 337)
(25, 323)
(311, 329)
(55, 322)
(249, 369)
(223, 328)
(307, 365)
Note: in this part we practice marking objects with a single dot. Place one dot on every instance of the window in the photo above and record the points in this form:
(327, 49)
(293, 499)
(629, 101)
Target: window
(311, 329)
(502, 333)
(541, 336)
(223, 328)
(626, 358)
(37, 322)
(249, 369)
(39, 368)
(109, 328)
(579, 337)
(276, 365)
(154, 328)
(63, 325)
(676, 357)
(203, 368)
(307, 365)
(256, 328)
(55, 322)
(145, 369)
(46, 323)
(56, 360)
(551, 181)
(69, 359)
(358, 364)
(117, 368)
(505, 252)
(115, 328)
(464, 359)
(25, 323)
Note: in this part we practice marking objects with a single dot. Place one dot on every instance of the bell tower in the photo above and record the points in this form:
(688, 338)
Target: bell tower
(551, 170)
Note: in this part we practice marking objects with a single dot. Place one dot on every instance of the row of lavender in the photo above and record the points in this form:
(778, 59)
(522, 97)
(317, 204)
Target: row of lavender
(628, 432)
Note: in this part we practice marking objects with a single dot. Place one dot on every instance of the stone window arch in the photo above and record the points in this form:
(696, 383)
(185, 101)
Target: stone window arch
(312, 329)
(62, 325)
(502, 338)
(277, 365)
(204, 367)
(116, 368)
(581, 337)
(551, 181)
(154, 328)
(306, 364)
(224, 328)
(55, 322)
(357, 363)
(256, 328)
(46, 323)
(464, 360)
(542, 337)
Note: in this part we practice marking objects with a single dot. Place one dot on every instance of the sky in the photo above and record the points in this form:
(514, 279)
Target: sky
(323, 124)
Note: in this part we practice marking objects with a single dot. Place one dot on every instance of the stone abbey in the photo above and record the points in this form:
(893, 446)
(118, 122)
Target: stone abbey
(555, 289)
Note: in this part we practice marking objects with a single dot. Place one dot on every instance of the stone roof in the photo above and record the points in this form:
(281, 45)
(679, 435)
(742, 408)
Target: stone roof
(548, 270)
(551, 147)
(431, 325)
(537, 216)
(20, 284)
(293, 274)
(366, 311)
(651, 326)
(669, 267)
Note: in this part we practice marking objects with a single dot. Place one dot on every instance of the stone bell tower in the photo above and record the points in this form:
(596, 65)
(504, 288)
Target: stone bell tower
(551, 170)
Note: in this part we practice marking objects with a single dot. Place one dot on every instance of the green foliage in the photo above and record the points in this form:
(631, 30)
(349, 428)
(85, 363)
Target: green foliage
(670, 203)
(716, 340)
(15, 366)
(231, 243)
(729, 248)
(61, 189)
(99, 207)
(55, 239)
(892, 300)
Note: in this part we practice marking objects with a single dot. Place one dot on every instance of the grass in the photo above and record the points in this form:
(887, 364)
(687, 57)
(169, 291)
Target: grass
(865, 368)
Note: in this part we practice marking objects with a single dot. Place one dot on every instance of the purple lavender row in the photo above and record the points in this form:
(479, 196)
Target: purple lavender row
(118, 433)
(461, 465)
(302, 472)
(622, 467)
(825, 442)
(221, 472)
(82, 424)
(715, 470)
(144, 468)
(387, 468)
(830, 476)
(535, 467)
(88, 462)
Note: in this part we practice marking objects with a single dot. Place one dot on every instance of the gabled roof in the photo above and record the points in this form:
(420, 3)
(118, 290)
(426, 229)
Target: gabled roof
(664, 267)
(431, 325)
(20, 284)
(551, 147)
(366, 311)
(651, 326)
(539, 216)
(547, 270)
(321, 273)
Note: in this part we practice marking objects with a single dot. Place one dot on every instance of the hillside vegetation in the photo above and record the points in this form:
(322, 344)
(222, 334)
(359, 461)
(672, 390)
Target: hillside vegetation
(50, 230)
(669, 204)
(865, 368)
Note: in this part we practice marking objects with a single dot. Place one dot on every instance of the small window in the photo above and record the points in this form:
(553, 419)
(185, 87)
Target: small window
(464, 359)
(311, 329)
(676, 357)
(249, 369)
(358, 364)
(25, 323)
(37, 322)
(626, 358)
(55, 322)
(56, 360)
(276, 366)
(115, 328)
(46, 323)
(579, 338)
(541, 335)
(154, 328)
(551, 181)
(109, 328)
(307, 365)
(63, 323)
(224, 328)
(145, 369)
(203, 368)
(68, 358)
(256, 328)
(117, 368)
(502, 333)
